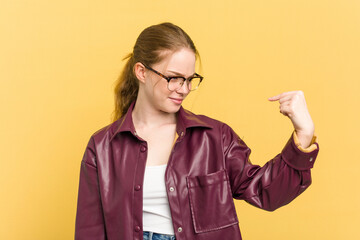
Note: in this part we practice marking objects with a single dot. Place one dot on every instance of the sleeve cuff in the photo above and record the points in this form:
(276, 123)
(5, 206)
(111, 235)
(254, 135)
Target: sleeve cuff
(297, 158)
(312, 146)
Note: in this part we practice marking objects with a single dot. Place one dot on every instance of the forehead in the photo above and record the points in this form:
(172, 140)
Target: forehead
(181, 61)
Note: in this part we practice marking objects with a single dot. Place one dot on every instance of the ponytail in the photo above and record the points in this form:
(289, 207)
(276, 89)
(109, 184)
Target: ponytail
(126, 89)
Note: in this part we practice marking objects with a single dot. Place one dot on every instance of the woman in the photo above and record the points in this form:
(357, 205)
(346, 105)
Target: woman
(161, 172)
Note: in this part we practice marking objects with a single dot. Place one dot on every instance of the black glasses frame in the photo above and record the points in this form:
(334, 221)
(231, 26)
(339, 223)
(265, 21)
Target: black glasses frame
(168, 79)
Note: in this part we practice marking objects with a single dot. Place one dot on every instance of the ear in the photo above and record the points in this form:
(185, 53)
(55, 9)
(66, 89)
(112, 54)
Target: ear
(139, 70)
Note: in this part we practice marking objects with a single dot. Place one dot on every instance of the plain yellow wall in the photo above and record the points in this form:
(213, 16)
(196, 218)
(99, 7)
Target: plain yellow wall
(59, 61)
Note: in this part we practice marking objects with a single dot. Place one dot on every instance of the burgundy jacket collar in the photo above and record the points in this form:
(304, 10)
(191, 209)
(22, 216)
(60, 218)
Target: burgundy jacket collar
(185, 119)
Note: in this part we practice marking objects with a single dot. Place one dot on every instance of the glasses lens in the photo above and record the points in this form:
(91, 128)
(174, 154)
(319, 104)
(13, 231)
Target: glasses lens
(194, 83)
(175, 83)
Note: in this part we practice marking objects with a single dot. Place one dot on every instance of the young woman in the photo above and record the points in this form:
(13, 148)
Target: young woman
(161, 172)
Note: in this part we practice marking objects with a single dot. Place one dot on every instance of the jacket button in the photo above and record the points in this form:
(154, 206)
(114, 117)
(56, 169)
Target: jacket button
(137, 187)
(137, 229)
(143, 149)
(171, 189)
(180, 229)
(182, 134)
(311, 159)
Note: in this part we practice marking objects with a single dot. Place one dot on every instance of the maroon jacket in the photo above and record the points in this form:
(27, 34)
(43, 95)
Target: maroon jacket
(208, 167)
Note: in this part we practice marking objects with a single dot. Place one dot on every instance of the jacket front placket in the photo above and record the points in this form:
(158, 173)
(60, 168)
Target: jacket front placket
(172, 190)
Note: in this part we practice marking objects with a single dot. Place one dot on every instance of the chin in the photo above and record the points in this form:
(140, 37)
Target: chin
(171, 108)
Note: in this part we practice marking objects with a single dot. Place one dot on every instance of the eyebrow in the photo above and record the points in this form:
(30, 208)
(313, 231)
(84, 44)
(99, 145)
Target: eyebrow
(180, 73)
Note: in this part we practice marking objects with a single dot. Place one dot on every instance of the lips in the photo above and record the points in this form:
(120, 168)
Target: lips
(177, 100)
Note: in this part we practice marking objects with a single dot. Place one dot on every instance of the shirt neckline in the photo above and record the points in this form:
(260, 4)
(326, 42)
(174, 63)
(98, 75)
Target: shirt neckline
(156, 166)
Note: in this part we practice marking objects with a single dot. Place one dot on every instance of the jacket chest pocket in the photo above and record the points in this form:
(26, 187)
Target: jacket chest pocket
(211, 202)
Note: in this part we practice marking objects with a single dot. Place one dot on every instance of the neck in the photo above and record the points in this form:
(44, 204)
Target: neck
(145, 115)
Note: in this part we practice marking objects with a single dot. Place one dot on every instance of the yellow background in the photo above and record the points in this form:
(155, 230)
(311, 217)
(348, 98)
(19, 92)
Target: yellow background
(60, 59)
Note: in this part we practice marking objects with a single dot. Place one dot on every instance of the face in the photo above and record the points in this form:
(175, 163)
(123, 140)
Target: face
(180, 63)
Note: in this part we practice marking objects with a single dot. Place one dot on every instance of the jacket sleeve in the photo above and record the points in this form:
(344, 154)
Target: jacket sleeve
(89, 216)
(275, 184)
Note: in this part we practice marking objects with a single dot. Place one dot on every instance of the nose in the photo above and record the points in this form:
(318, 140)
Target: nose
(184, 89)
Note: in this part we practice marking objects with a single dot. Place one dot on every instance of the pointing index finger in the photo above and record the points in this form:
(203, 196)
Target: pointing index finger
(279, 96)
(275, 98)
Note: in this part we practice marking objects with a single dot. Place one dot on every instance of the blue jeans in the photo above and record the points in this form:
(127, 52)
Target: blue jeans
(157, 236)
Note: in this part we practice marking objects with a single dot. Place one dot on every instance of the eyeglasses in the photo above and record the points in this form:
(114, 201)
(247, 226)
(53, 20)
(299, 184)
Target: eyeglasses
(175, 83)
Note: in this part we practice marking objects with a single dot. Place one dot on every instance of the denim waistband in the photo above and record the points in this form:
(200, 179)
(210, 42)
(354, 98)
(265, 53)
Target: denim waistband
(157, 236)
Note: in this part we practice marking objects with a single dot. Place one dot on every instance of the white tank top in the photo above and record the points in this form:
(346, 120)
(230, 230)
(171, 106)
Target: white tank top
(156, 210)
